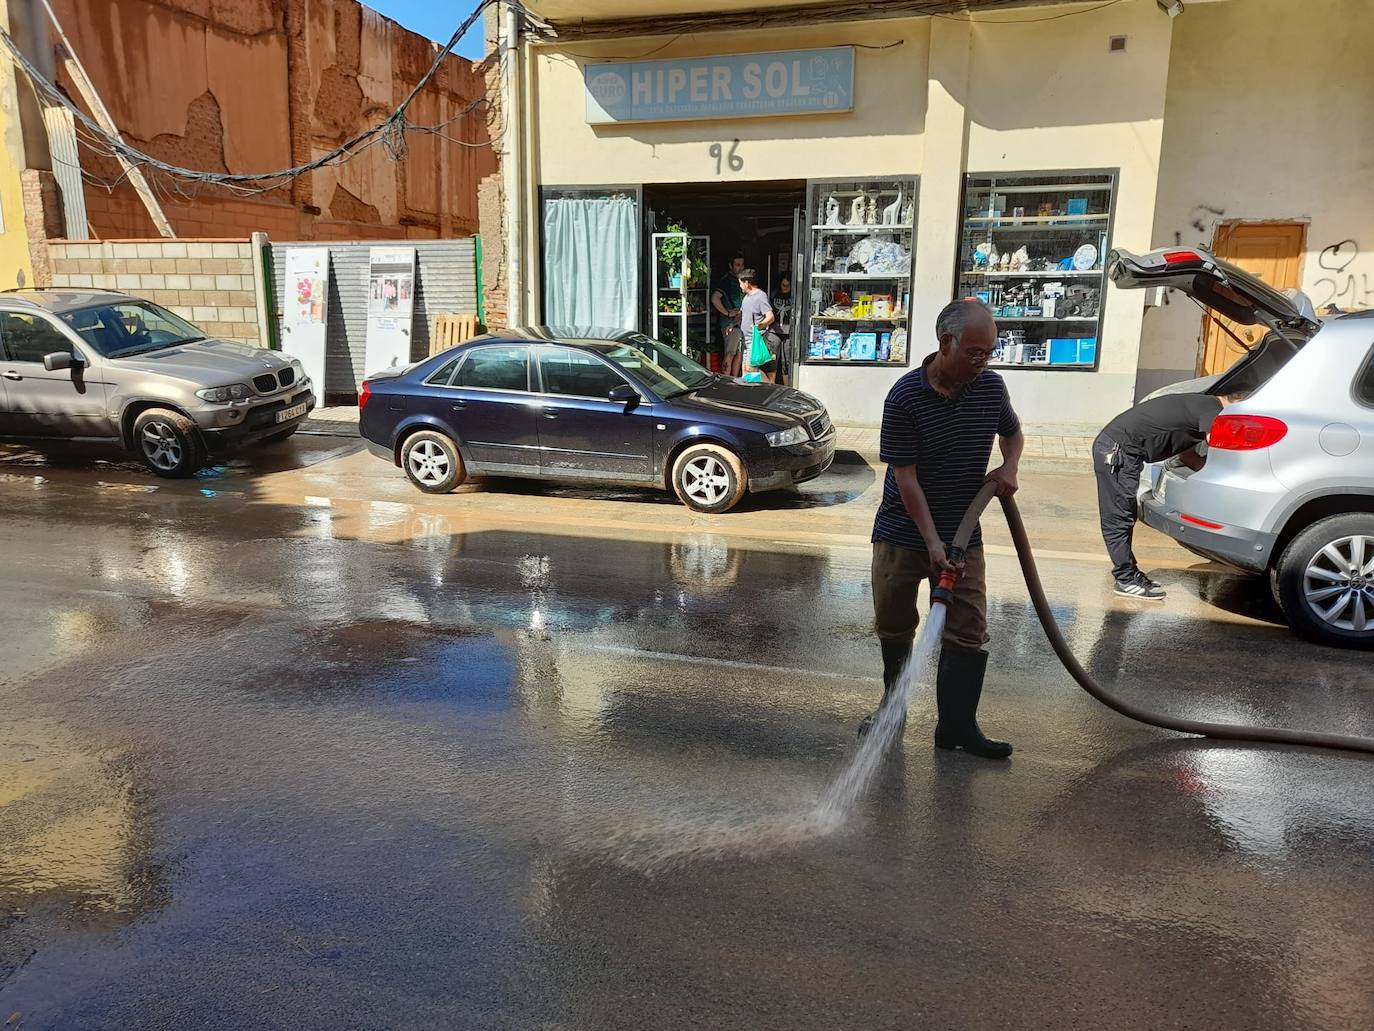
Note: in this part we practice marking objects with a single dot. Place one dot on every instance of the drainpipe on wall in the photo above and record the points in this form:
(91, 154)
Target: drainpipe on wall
(262, 291)
(511, 157)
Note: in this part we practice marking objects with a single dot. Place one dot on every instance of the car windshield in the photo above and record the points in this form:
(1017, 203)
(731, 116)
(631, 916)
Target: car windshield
(130, 327)
(663, 369)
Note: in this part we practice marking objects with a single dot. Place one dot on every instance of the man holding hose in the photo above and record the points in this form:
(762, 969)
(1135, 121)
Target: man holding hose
(938, 425)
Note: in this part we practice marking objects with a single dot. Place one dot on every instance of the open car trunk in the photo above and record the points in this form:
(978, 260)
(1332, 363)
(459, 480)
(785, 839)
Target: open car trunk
(1224, 289)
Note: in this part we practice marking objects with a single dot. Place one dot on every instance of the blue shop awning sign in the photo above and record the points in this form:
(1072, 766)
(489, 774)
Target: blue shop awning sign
(782, 82)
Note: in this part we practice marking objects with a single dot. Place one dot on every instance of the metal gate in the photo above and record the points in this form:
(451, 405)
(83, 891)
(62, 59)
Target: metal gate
(445, 281)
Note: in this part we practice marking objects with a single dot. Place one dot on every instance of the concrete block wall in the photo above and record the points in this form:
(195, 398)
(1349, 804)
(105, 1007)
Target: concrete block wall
(208, 282)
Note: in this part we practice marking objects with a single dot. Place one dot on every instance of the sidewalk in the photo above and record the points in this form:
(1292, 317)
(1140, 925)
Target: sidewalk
(1049, 452)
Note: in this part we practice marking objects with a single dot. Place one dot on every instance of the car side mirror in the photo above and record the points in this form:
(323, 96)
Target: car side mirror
(59, 360)
(626, 395)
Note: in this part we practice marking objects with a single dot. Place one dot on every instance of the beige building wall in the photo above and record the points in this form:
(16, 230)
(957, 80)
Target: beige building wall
(1267, 118)
(996, 93)
(881, 136)
(1053, 95)
(207, 282)
(16, 268)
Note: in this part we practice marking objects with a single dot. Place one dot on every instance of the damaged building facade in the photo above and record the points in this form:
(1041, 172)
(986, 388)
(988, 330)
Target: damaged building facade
(239, 86)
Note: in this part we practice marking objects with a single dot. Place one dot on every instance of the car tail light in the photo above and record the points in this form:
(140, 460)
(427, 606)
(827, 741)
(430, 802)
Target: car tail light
(1182, 257)
(364, 392)
(1246, 432)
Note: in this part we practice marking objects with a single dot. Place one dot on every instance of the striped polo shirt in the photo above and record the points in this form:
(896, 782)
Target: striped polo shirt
(949, 441)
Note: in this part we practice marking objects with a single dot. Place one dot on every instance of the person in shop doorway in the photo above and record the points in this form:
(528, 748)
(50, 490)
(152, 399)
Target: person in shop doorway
(725, 300)
(1170, 426)
(939, 422)
(756, 313)
(782, 326)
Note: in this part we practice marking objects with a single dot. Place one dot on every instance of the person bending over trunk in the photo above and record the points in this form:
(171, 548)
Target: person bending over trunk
(939, 422)
(1170, 426)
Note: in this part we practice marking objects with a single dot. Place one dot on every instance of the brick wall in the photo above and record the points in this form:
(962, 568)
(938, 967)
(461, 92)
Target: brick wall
(209, 282)
(493, 222)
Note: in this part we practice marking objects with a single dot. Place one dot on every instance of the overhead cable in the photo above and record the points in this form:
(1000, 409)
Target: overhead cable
(389, 132)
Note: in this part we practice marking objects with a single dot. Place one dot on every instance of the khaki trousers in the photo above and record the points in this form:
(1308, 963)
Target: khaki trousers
(897, 576)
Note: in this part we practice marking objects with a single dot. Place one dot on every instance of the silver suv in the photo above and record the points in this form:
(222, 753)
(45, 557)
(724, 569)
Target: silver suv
(1288, 485)
(108, 368)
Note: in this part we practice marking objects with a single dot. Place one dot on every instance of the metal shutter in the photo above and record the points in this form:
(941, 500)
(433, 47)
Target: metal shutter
(445, 281)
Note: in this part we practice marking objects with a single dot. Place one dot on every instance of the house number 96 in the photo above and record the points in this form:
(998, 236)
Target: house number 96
(731, 157)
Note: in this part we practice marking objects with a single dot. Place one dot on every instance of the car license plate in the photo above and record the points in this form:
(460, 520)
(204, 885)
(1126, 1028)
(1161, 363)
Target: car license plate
(294, 412)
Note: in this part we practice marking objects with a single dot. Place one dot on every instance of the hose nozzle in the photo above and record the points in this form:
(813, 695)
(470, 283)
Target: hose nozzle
(943, 591)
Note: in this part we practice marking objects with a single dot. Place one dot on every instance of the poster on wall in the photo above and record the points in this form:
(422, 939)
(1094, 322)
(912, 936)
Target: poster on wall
(305, 310)
(390, 307)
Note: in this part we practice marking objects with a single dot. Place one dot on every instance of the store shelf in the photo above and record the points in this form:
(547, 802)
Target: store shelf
(678, 314)
(899, 320)
(974, 232)
(1022, 221)
(682, 290)
(1041, 318)
(860, 275)
(1047, 188)
(862, 229)
(866, 363)
(971, 273)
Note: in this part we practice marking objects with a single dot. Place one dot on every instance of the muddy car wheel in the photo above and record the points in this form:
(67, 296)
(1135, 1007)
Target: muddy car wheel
(1325, 581)
(168, 443)
(709, 478)
(432, 462)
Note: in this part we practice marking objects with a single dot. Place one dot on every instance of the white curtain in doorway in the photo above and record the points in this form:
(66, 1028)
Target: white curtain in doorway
(591, 266)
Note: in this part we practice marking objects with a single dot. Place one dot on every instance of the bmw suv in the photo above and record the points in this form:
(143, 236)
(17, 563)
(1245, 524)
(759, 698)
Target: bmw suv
(1288, 486)
(96, 367)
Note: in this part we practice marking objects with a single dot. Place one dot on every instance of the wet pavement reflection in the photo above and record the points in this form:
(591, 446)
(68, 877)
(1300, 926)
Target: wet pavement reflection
(292, 756)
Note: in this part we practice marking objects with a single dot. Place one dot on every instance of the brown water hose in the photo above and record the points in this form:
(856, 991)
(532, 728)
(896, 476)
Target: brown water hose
(1202, 728)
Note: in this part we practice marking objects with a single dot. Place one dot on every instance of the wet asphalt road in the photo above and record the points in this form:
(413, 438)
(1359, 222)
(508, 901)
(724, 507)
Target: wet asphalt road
(295, 747)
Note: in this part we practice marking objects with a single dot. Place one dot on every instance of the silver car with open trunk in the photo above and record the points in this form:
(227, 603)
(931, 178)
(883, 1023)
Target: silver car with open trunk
(1288, 486)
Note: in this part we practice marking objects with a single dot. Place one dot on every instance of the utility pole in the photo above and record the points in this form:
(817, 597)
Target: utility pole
(88, 93)
(511, 157)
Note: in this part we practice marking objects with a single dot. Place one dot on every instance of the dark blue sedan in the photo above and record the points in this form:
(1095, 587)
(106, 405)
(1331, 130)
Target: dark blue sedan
(594, 406)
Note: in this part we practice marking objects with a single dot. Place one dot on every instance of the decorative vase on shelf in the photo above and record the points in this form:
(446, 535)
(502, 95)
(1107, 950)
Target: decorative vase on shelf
(858, 209)
(893, 211)
(832, 211)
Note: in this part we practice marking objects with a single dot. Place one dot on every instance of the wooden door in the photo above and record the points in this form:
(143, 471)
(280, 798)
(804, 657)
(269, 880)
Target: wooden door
(1270, 250)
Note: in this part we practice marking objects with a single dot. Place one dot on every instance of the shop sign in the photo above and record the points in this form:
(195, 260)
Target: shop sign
(784, 82)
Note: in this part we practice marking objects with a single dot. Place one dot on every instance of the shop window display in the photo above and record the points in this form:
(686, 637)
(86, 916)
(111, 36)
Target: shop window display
(1032, 250)
(862, 235)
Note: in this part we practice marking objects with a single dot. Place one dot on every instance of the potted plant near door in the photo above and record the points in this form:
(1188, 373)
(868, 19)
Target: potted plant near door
(671, 251)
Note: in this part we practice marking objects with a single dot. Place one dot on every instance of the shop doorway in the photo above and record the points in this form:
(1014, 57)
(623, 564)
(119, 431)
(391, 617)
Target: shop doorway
(1271, 250)
(761, 222)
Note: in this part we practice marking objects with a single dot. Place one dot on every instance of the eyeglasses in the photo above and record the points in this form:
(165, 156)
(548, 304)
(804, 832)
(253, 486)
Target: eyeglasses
(977, 356)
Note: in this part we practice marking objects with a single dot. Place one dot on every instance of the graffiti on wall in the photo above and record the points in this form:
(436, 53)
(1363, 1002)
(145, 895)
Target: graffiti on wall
(1339, 285)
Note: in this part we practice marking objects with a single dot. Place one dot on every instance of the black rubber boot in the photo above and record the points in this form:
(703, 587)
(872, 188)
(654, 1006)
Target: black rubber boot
(958, 687)
(895, 654)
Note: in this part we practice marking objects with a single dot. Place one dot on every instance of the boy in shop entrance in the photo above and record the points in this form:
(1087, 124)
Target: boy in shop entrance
(726, 299)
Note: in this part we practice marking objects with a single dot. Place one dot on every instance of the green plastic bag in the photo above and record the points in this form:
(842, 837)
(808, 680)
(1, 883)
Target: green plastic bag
(759, 355)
